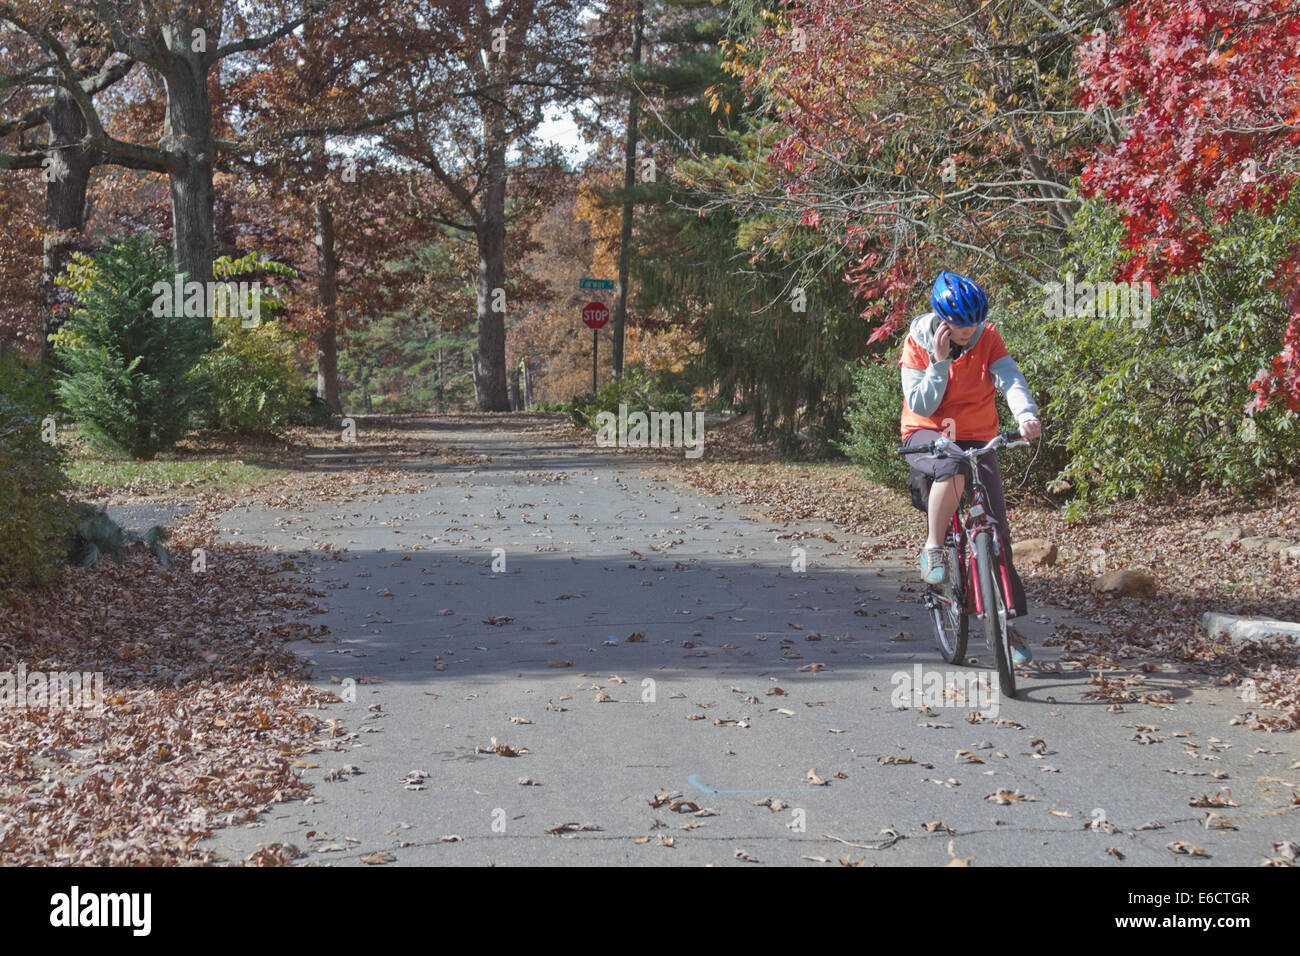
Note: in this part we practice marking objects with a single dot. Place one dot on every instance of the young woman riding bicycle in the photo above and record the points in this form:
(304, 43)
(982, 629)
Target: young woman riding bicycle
(953, 364)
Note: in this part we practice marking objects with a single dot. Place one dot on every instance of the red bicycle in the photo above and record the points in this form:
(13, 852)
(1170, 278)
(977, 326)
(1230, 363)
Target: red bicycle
(950, 603)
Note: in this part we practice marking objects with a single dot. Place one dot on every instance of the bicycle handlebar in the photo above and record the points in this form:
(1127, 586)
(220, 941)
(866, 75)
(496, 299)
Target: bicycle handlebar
(946, 447)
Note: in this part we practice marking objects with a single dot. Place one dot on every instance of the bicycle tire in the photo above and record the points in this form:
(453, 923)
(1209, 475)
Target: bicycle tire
(995, 631)
(951, 624)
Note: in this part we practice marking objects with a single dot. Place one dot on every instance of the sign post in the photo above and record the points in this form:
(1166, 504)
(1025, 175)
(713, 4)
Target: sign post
(595, 315)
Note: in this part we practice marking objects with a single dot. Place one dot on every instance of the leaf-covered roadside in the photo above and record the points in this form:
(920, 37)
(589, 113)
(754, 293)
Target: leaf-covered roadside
(204, 709)
(205, 712)
(1195, 573)
(234, 465)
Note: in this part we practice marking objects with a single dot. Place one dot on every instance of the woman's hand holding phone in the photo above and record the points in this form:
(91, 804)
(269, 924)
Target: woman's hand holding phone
(941, 342)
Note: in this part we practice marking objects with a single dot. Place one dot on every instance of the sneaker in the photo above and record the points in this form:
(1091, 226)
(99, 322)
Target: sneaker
(1020, 653)
(933, 566)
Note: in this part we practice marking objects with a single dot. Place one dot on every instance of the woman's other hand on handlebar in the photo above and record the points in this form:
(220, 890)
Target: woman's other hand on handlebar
(1030, 429)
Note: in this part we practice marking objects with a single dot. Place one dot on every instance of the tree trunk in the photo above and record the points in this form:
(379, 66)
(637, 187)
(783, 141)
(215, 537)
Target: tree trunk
(188, 138)
(65, 204)
(327, 355)
(516, 402)
(490, 357)
(629, 180)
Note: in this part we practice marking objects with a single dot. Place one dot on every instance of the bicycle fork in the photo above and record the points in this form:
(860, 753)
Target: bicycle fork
(1002, 573)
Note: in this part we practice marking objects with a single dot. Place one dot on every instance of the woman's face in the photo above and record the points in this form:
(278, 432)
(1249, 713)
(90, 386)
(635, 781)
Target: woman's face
(961, 334)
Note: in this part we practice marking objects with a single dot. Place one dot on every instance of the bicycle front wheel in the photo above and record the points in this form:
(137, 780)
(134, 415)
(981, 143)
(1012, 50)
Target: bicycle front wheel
(946, 605)
(995, 613)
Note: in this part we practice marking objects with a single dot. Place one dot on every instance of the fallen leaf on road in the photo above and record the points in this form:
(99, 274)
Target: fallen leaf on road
(1004, 797)
(957, 860)
(742, 855)
(935, 826)
(382, 856)
(815, 780)
(505, 750)
(1182, 846)
(1218, 800)
(893, 759)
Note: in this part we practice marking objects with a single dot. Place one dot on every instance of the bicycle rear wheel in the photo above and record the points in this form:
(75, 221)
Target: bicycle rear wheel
(946, 605)
(995, 614)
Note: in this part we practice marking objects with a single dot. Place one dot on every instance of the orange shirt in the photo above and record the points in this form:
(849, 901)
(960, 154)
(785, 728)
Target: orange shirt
(968, 410)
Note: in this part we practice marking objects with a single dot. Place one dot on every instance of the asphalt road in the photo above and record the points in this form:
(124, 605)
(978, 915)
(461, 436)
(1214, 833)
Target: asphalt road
(650, 642)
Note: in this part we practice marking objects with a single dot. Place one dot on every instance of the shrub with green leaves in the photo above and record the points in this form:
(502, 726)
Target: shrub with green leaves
(636, 390)
(1152, 408)
(254, 381)
(130, 378)
(34, 508)
(872, 438)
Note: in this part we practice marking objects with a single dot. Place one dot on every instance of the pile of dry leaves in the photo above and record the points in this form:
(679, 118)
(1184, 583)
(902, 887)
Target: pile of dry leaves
(202, 709)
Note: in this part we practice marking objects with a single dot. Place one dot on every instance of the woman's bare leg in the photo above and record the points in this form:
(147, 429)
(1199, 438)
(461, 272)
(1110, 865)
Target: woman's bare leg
(944, 496)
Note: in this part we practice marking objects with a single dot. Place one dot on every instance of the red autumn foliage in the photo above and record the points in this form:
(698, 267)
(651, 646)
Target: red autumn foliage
(1210, 90)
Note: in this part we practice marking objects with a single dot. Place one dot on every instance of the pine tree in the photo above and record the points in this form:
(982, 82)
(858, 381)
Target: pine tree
(130, 378)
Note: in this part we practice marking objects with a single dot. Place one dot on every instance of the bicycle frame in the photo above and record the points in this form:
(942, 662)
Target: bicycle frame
(977, 521)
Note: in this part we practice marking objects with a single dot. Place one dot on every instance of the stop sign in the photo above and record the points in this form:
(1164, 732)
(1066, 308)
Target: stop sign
(595, 315)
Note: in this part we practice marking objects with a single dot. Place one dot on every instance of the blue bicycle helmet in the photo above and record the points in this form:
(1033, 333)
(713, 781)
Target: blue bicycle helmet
(959, 300)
